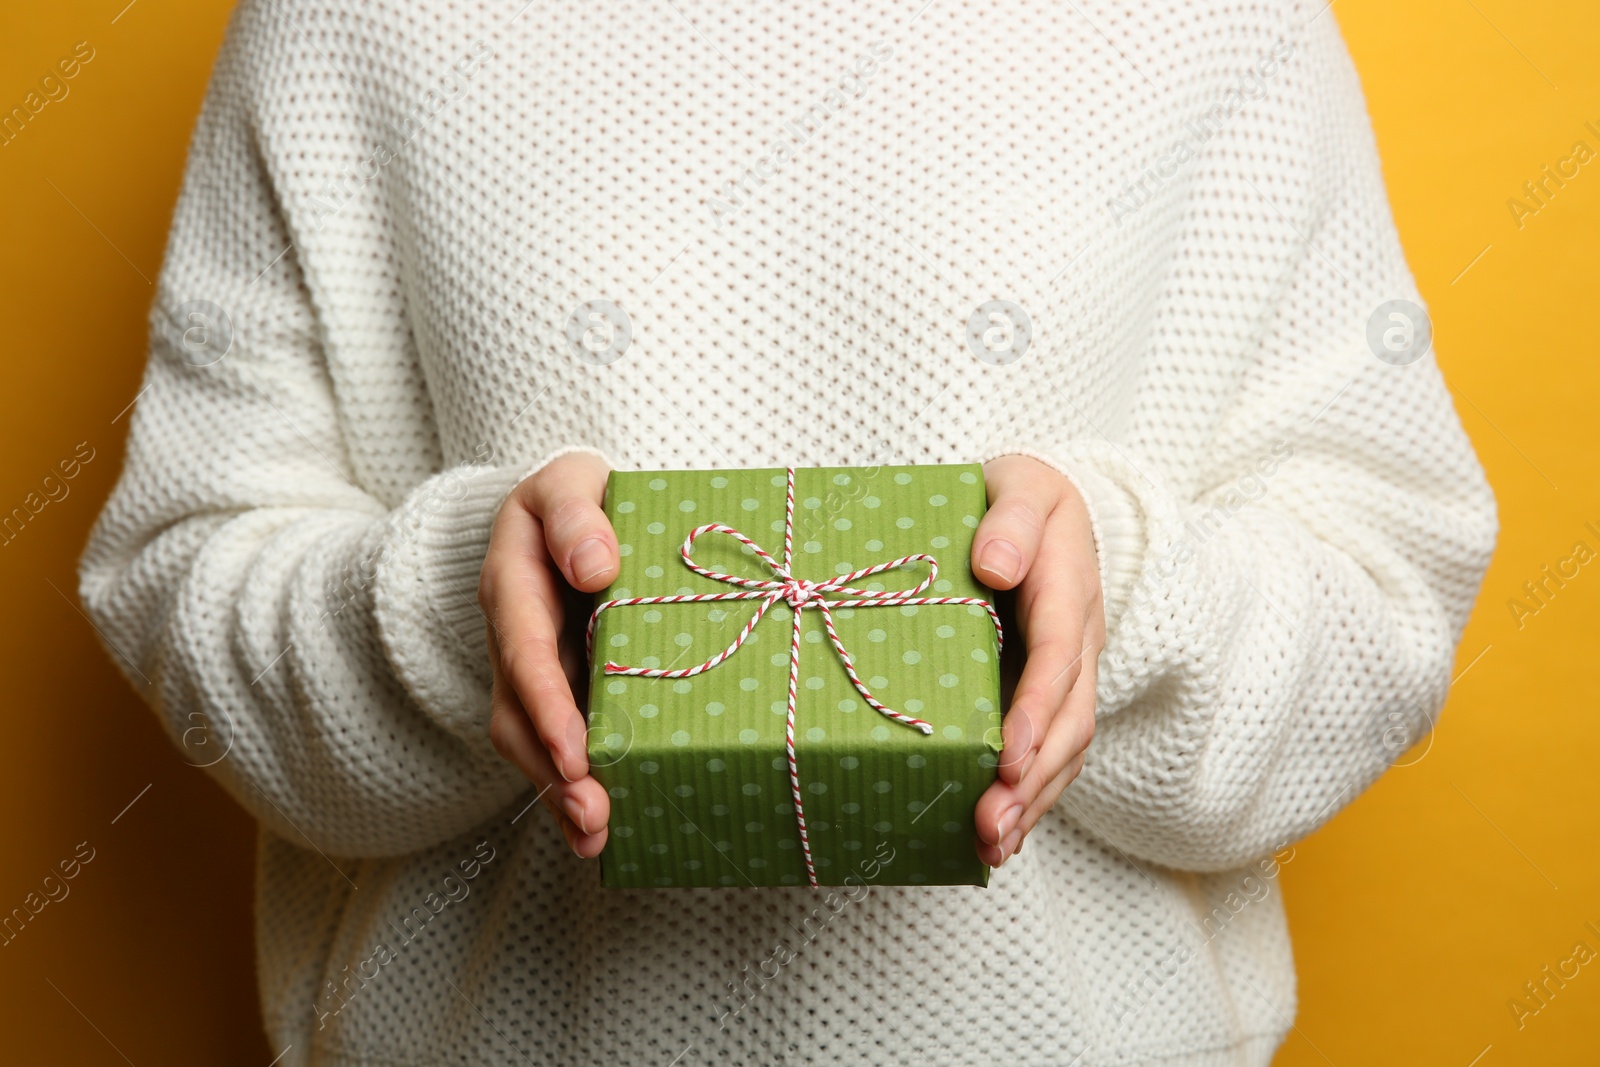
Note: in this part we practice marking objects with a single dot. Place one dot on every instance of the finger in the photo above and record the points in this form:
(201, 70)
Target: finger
(1021, 731)
(1055, 609)
(512, 735)
(1074, 726)
(1048, 795)
(1071, 730)
(1053, 666)
(522, 601)
(999, 812)
(1046, 800)
(1009, 536)
(566, 497)
(587, 846)
(1009, 847)
(585, 802)
(1006, 807)
(994, 848)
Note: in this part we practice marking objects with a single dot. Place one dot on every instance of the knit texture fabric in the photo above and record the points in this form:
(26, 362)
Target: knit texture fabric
(361, 343)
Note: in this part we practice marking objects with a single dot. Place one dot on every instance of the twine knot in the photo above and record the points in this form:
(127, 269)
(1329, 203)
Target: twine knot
(797, 592)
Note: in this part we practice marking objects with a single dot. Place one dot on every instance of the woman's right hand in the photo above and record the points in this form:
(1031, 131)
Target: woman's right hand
(549, 534)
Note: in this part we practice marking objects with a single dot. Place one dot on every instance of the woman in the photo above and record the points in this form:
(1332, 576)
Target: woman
(437, 267)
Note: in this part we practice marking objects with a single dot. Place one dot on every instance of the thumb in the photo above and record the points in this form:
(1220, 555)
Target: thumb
(565, 497)
(1008, 538)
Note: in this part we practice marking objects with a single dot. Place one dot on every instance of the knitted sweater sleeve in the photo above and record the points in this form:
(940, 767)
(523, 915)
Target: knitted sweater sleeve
(317, 647)
(1283, 610)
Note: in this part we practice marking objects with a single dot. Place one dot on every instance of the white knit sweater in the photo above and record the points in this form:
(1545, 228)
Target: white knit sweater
(391, 211)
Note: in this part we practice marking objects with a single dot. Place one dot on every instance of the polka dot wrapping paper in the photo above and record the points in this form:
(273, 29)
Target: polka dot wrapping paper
(698, 768)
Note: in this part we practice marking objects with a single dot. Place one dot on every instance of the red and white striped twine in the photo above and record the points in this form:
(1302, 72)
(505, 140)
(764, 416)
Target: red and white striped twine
(799, 594)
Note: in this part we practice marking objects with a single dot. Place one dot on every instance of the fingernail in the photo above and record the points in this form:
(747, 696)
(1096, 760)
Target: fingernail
(1008, 819)
(1009, 849)
(572, 839)
(590, 559)
(574, 809)
(1002, 559)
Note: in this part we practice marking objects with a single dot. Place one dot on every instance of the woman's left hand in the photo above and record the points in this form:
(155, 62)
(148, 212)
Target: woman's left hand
(1036, 538)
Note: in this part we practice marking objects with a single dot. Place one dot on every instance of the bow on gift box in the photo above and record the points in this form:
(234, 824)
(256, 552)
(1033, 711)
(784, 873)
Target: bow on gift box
(799, 594)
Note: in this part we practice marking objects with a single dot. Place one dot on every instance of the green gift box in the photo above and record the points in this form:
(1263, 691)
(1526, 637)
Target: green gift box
(895, 694)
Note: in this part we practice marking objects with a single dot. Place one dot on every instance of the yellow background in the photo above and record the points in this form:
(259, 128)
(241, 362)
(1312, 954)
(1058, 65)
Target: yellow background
(1418, 913)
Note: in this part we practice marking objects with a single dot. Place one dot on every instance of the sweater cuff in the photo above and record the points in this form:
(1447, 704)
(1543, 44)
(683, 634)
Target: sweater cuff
(425, 595)
(1115, 516)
